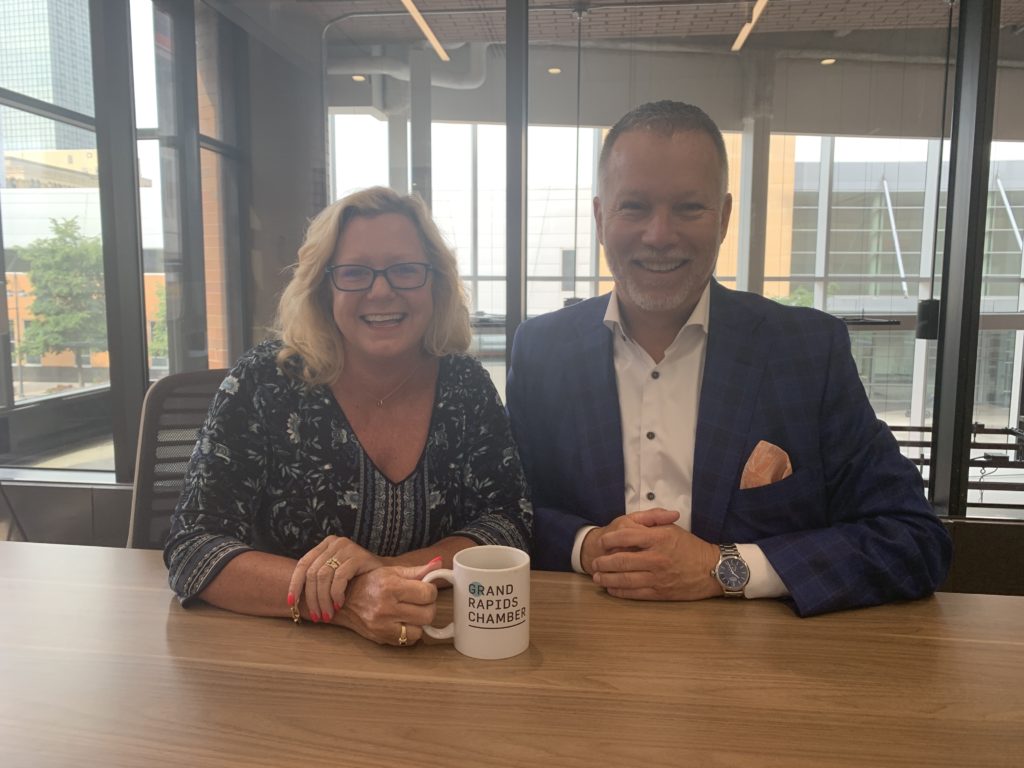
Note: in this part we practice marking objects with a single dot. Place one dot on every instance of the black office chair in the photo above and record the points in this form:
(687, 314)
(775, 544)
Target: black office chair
(174, 409)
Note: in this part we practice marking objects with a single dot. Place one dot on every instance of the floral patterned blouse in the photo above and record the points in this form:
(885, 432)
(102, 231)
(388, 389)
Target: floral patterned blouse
(277, 467)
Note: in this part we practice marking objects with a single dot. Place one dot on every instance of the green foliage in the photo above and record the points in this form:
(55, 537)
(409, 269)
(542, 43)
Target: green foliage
(801, 297)
(158, 340)
(67, 281)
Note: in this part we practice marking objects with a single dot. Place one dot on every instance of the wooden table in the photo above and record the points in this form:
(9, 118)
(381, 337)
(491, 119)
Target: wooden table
(100, 666)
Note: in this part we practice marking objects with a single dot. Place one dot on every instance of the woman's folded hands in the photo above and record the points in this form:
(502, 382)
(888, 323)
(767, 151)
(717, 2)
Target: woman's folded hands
(343, 583)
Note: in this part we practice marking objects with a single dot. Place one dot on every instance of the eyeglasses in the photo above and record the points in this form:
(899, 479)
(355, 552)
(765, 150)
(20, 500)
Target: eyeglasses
(401, 277)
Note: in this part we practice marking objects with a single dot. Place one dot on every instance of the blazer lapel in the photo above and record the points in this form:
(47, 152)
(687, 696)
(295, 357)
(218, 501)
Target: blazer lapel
(733, 367)
(592, 379)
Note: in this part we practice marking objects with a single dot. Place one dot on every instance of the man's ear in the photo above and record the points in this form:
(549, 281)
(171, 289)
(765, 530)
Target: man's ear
(598, 221)
(726, 213)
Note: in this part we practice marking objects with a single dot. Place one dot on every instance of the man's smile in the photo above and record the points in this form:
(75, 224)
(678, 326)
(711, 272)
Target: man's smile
(660, 266)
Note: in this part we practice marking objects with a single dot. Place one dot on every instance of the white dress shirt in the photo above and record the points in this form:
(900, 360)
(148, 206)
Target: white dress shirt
(658, 403)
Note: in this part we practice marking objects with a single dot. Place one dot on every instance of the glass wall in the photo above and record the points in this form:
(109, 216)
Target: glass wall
(45, 54)
(56, 409)
(405, 119)
(189, 254)
(220, 86)
(850, 217)
(997, 474)
(855, 230)
(53, 255)
(55, 371)
(563, 263)
(834, 142)
(577, 91)
(840, 145)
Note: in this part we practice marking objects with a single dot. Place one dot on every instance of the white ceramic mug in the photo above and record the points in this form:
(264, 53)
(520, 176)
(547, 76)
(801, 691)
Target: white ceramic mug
(491, 585)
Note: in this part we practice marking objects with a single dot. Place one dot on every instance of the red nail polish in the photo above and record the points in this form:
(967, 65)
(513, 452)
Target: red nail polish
(337, 607)
(326, 617)
(291, 599)
(314, 616)
(435, 560)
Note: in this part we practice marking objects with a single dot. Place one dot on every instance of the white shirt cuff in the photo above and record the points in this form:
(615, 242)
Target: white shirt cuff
(764, 581)
(577, 547)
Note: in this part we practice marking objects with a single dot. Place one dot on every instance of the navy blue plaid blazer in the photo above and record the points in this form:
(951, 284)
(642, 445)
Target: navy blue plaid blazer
(850, 527)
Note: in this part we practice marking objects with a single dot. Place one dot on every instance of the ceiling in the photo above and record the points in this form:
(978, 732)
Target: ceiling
(708, 23)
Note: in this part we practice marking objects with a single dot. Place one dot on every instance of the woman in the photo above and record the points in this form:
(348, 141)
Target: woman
(338, 460)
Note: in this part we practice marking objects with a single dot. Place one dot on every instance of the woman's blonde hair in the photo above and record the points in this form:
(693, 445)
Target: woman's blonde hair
(313, 346)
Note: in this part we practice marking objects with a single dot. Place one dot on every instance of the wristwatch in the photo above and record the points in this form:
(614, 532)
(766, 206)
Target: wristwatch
(732, 571)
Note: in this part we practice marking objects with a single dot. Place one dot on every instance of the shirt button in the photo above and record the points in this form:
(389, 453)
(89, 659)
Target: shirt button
(650, 495)
(650, 435)
(655, 374)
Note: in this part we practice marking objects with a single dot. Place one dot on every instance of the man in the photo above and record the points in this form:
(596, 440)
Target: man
(734, 430)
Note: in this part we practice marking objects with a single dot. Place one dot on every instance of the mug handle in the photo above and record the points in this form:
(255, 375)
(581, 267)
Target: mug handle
(440, 633)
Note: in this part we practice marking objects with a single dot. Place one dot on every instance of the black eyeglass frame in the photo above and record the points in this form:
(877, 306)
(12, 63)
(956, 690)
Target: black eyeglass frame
(375, 273)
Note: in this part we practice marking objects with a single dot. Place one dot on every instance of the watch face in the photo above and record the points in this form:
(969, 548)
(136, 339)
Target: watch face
(733, 573)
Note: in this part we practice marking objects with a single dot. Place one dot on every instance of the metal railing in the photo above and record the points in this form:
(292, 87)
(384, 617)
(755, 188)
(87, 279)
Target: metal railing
(988, 454)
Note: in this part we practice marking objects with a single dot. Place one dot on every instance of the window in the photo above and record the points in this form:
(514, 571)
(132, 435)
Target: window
(188, 185)
(54, 382)
(55, 364)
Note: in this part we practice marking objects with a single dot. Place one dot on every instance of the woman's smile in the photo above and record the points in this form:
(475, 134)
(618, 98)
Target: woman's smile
(383, 320)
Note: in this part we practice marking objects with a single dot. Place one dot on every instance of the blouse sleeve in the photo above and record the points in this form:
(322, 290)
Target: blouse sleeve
(496, 508)
(224, 482)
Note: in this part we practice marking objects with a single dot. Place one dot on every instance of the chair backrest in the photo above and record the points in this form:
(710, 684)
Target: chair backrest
(174, 409)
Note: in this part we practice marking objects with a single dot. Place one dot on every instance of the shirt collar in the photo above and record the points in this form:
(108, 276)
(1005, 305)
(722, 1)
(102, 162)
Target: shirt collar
(698, 317)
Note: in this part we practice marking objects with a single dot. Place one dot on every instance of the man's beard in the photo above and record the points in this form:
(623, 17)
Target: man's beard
(656, 301)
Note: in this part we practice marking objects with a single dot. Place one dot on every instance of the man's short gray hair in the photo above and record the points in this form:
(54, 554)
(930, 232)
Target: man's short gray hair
(666, 118)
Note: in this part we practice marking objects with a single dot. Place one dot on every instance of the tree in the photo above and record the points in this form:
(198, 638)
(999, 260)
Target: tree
(69, 307)
(158, 336)
(799, 297)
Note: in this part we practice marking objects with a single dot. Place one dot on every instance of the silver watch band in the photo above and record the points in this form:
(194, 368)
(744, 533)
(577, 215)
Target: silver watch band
(729, 550)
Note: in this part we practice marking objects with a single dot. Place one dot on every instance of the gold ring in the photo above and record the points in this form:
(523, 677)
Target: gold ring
(403, 638)
(333, 563)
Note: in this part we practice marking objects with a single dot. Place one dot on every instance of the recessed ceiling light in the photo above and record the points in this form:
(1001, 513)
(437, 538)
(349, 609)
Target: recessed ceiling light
(359, 78)
(554, 70)
(828, 62)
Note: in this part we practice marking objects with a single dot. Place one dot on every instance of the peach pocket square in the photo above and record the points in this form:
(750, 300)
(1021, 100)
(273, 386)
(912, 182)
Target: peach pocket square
(767, 464)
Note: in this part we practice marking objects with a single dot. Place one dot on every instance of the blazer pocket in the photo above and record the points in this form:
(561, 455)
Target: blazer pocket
(792, 504)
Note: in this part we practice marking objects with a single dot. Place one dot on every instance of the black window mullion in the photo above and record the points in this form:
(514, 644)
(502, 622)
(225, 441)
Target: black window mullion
(110, 28)
(215, 145)
(956, 368)
(238, 273)
(516, 126)
(46, 110)
(189, 350)
(6, 371)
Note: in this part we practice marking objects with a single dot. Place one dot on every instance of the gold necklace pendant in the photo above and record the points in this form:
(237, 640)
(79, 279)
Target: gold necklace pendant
(380, 402)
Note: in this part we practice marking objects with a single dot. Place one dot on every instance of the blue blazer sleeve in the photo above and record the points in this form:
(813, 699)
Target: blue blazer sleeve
(851, 526)
(878, 539)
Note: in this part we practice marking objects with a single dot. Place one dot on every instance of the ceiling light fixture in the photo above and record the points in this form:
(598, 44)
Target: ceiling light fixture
(428, 33)
(741, 38)
(554, 70)
(748, 26)
(828, 62)
(359, 78)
